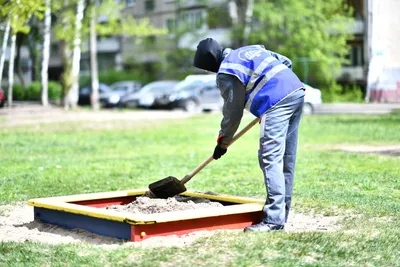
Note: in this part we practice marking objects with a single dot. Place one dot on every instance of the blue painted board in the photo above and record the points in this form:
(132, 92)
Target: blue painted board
(95, 225)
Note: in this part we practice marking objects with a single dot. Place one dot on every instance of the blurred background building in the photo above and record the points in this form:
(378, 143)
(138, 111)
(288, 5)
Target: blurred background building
(373, 59)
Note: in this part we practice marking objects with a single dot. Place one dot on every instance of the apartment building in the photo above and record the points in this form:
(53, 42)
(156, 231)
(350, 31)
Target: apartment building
(355, 70)
(165, 13)
(383, 78)
(373, 59)
(170, 15)
(373, 51)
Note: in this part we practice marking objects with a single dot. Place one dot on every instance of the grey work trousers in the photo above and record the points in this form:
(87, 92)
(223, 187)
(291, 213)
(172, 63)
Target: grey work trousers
(277, 155)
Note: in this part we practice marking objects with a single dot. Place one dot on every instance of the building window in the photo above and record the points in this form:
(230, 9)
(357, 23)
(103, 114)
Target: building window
(149, 5)
(130, 3)
(171, 24)
(150, 40)
(358, 8)
(356, 53)
(54, 48)
(194, 20)
(214, 15)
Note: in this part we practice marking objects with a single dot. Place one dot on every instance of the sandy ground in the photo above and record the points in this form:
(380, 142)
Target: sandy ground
(17, 224)
(145, 205)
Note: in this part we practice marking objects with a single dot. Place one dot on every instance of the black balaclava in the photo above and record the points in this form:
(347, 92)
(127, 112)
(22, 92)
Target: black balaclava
(208, 55)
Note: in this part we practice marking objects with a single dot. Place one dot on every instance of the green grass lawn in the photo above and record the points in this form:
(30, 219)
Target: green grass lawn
(72, 158)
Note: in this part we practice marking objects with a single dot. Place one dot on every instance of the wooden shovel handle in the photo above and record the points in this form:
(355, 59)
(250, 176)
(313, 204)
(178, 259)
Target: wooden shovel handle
(205, 163)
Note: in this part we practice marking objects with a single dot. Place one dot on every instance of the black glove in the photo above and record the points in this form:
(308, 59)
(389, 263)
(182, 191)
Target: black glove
(219, 152)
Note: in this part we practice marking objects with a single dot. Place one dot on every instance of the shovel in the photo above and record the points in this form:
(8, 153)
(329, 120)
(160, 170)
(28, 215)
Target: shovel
(171, 186)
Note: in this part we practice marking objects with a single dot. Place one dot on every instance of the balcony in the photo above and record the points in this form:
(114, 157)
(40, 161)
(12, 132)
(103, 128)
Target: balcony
(351, 73)
(108, 45)
(191, 41)
(357, 27)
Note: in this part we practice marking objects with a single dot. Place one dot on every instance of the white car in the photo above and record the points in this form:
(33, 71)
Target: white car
(312, 99)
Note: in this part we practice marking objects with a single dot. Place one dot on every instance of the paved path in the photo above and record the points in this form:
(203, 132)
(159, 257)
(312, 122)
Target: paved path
(350, 108)
(35, 114)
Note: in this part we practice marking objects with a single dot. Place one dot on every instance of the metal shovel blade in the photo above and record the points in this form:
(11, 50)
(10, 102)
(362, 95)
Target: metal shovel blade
(167, 187)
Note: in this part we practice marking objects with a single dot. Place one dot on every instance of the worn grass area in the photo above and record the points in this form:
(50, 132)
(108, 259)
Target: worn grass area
(63, 159)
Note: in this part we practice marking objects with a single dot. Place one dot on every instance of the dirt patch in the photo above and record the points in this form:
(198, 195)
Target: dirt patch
(17, 224)
(393, 150)
(145, 205)
(388, 150)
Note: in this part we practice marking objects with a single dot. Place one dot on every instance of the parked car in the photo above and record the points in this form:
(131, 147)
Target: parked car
(151, 95)
(312, 99)
(197, 93)
(85, 92)
(118, 90)
(2, 98)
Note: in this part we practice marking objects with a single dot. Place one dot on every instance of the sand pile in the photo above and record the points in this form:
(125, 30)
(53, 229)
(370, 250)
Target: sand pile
(147, 205)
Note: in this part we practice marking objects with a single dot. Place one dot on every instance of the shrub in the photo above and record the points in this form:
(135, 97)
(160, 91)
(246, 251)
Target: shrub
(18, 92)
(33, 91)
(54, 90)
(112, 76)
(342, 93)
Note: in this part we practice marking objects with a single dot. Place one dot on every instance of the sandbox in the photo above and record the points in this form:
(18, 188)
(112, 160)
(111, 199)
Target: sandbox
(94, 213)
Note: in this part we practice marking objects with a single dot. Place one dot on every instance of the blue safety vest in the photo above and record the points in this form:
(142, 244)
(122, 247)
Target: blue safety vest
(267, 80)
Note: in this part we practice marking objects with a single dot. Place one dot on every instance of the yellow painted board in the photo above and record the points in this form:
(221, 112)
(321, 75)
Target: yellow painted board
(222, 197)
(61, 204)
(94, 196)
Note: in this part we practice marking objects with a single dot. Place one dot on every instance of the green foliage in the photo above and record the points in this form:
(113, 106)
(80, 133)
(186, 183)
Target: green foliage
(179, 64)
(54, 90)
(116, 24)
(342, 93)
(33, 91)
(113, 76)
(18, 92)
(20, 12)
(310, 29)
(64, 28)
(119, 23)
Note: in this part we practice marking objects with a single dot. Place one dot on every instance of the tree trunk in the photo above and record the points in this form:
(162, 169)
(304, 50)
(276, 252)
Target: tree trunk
(11, 69)
(93, 60)
(233, 12)
(247, 21)
(73, 92)
(33, 56)
(34, 37)
(46, 54)
(241, 12)
(3, 50)
(66, 75)
(18, 69)
(66, 62)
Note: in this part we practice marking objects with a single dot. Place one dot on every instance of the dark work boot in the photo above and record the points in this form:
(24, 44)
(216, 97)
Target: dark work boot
(263, 227)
